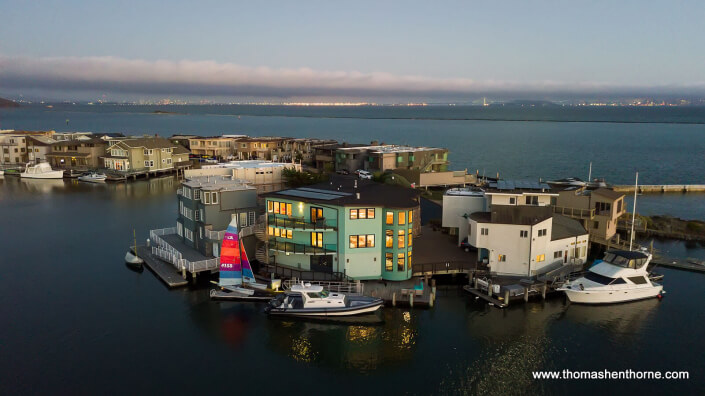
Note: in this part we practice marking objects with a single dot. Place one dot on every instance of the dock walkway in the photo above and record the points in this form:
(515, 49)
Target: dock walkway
(163, 270)
(662, 188)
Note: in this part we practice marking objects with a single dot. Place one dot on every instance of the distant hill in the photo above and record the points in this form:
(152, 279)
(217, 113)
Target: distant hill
(8, 103)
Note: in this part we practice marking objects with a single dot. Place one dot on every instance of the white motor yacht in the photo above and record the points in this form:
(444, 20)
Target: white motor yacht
(41, 171)
(306, 300)
(92, 177)
(620, 277)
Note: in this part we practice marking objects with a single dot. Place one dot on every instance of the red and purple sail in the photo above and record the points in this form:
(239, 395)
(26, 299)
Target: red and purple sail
(234, 265)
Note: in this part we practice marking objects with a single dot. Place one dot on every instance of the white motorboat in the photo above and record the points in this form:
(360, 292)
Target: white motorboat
(306, 300)
(92, 177)
(621, 276)
(41, 171)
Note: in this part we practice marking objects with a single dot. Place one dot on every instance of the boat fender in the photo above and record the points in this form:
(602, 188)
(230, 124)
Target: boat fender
(659, 296)
(582, 287)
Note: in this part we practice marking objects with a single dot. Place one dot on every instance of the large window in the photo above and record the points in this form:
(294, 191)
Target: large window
(402, 218)
(400, 262)
(400, 239)
(317, 239)
(389, 238)
(210, 197)
(389, 261)
(362, 241)
(532, 200)
(316, 213)
(279, 208)
(411, 216)
(524, 234)
(408, 261)
(365, 213)
(390, 217)
(408, 238)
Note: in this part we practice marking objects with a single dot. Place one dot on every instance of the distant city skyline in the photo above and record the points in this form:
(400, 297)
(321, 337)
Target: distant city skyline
(366, 51)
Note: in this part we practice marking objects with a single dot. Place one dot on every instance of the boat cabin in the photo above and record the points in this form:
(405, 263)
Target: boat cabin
(626, 259)
(313, 296)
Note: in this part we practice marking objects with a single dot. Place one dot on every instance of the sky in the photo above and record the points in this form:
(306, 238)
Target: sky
(363, 50)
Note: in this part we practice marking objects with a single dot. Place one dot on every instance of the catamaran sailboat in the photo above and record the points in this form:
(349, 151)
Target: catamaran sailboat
(237, 281)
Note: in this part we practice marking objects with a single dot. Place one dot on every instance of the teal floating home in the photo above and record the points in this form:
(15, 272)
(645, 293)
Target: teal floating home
(355, 228)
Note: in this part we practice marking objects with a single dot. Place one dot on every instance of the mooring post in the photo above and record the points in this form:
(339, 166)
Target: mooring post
(489, 288)
(394, 299)
(431, 298)
(193, 278)
(543, 291)
(183, 272)
(411, 300)
(526, 294)
(506, 296)
(433, 286)
(475, 282)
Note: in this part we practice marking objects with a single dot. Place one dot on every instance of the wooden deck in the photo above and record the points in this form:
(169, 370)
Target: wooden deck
(677, 264)
(163, 270)
(662, 188)
(402, 293)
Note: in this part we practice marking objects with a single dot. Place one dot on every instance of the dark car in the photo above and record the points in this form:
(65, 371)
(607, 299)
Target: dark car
(466, 246)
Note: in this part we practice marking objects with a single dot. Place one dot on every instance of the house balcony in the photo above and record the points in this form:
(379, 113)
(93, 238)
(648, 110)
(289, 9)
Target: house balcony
(217, 236)
(299, 223)
(300, 248)
(575, 213)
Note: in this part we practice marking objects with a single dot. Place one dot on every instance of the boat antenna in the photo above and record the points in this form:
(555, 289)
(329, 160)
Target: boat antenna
(636, 189)
(134, 238)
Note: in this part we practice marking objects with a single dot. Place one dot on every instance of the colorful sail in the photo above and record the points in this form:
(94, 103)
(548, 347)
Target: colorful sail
(230, 258)
(248, 276)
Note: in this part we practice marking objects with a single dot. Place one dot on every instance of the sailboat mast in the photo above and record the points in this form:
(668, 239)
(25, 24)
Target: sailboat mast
(134, 238)
(636, 189)
(590, 173)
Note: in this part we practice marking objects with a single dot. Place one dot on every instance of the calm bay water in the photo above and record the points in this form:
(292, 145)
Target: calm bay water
(76, 320)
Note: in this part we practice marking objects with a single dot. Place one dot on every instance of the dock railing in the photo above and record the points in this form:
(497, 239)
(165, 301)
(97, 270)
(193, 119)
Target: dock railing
(218, 235)
(338, 287)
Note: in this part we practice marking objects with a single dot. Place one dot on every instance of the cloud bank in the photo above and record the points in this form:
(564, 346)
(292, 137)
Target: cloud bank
(210, 78)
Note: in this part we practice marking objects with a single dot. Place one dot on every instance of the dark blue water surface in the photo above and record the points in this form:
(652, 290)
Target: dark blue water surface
(75, 320)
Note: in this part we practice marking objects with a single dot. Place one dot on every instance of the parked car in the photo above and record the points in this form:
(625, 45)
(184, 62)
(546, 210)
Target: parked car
(466, 246)
(363, 174)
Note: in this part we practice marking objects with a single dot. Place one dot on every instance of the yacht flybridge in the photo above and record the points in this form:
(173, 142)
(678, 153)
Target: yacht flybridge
(620, 277)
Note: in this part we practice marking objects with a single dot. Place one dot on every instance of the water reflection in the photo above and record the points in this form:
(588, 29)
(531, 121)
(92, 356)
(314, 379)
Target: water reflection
(361, 344)
(619, 320)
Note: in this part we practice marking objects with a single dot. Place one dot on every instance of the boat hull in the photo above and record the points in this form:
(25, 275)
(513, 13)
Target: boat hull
(235, 296)
(131, 258)
(45, 175)
(92, 179)
(615, 296)
(360, 309)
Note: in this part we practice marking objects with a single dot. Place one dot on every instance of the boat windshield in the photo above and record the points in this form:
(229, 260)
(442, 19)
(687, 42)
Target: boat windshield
(623, 261)
(321, 294)
(603, 280)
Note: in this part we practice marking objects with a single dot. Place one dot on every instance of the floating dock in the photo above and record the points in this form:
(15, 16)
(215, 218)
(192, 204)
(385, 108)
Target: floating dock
(677, 264)
(662, 188)
(163, 270)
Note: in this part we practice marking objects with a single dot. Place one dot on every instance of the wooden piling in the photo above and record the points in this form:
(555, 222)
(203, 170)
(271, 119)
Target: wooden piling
(394, 299)
(543, 291)
(526, 294)
(411, 300)
(506, 296)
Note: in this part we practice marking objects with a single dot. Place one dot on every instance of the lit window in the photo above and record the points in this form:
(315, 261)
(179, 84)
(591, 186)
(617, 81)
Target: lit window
(400, 262)
(389, 238)
(271, 231)
(371, 213)
(408, 261)
(411, 216)
(502, 258)
(409, 239)
(400, 239)
(353, 214)
(362, 214)
(389, 262)
(353, 241)
(276, 207)
(402, 218)
(390, 217)
(361, 241)
(289, 234)
(317, 239)
(541, 257)
(288, 209)
(270, 206)
(370, 240)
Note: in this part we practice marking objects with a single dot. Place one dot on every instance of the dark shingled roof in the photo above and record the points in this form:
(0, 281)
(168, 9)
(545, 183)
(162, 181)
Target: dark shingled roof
(77, 142)
(371, 194)
(150, 143)
(565, 227)
(608, 193)
(519, 215)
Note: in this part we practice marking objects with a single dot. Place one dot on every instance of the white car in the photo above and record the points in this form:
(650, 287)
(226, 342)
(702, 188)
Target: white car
(363, 174)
